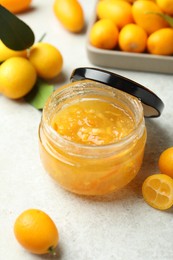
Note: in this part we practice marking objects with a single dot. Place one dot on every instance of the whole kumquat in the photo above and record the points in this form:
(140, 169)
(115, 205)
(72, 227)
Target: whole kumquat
(46, 59)
(132, 38)
(17, 77)
(36, 232)
(166, 6)
(161, 42)
(166, 162)
(70, 14)
(104, 34)
(145, 14)
(16, 6)
(120, 12)
(6, 53)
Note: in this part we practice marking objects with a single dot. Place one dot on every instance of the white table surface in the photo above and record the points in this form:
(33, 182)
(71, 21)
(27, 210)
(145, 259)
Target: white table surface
(121, 226)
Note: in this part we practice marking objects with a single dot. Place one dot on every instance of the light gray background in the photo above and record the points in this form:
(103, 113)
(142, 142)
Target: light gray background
(119, 227)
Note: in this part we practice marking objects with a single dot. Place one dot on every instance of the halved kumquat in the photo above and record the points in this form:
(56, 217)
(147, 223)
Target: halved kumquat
(157, 191)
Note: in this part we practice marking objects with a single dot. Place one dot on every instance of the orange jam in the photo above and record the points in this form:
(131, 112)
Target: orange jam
(93, 122)
(92, 137)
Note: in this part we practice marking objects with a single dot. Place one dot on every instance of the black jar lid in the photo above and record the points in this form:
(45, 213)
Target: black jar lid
(152, 104)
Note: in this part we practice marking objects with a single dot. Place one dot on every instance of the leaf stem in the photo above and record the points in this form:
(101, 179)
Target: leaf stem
(42, 37)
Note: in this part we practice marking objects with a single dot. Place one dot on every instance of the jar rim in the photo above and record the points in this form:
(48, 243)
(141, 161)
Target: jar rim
(59, 140)
(152, 104)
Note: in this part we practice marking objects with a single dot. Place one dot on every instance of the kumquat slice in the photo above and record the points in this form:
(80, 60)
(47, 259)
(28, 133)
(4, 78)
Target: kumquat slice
(157, 191)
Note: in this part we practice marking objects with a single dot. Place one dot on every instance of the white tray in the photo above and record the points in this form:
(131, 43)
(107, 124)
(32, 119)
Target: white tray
(128, 61)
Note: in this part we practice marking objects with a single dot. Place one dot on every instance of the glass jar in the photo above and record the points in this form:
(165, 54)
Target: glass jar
(91, 169)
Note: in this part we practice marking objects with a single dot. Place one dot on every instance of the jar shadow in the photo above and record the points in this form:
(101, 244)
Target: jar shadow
(59, 80)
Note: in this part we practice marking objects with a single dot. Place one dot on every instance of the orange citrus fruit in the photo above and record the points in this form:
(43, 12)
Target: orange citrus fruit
(16, 6)
(6, 53)
(145, 15)
(157, 191)
(132, 38)
(70, 14)
(36, 231)
(17, 77)
(166, 162)
(46, 59)
(119, 11)
(166, 6)
(104, 34)
(161, 42)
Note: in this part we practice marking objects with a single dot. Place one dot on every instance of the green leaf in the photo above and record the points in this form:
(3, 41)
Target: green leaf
(39, 94)
(14, 33)
(166, 17)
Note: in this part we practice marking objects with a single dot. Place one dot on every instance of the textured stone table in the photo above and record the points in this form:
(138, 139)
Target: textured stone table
(118, 227)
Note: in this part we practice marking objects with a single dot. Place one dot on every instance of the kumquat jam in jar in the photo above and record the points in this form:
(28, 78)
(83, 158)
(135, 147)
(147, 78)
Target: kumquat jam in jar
(92, 133)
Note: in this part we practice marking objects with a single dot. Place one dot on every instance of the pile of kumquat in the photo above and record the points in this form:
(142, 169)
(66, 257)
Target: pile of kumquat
(141, 26)
(19, 70)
